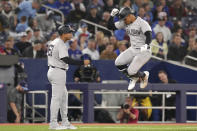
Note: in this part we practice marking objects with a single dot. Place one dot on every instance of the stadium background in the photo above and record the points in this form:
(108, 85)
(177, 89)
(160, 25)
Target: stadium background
(183, 24)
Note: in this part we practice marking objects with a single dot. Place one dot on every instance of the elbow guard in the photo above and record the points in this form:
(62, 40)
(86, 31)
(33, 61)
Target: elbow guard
(148, 35)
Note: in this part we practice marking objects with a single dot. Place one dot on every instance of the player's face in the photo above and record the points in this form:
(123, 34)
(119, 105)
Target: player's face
(129, 19)
(68, 36)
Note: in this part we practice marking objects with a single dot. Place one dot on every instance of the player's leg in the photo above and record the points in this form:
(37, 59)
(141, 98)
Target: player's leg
(57, 93)
(123, 60)
(139, 60)
(64, 107)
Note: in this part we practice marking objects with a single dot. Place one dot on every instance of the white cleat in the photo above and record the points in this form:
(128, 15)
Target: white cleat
(132, 83)
(55, 126)
(68, 126)
(144, 81)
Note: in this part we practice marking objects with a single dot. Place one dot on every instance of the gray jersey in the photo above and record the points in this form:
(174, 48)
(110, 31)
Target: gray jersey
(57, 50)
(135, 31)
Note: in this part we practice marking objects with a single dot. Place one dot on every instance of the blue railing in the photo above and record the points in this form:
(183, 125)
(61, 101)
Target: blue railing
(88, 90)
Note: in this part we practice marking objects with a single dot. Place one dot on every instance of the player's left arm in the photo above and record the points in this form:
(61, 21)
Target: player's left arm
(146, 29)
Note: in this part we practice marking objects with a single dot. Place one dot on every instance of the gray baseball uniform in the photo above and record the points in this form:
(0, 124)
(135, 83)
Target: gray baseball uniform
(57, 77)
(133, 55)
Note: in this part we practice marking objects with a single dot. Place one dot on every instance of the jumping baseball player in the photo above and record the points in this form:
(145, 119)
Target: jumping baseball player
(58, 61)
(131, 60)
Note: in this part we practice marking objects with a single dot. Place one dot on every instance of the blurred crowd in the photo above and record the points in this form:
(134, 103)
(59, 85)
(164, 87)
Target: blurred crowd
(26, 27)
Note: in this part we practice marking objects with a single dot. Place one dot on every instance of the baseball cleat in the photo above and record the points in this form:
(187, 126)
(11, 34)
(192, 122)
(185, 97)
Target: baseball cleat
(68, 126)
(132, 83)
(55, 126)
(144, 81)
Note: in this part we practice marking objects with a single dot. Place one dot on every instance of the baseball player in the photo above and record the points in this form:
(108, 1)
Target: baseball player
(131, 60)
(58, 61)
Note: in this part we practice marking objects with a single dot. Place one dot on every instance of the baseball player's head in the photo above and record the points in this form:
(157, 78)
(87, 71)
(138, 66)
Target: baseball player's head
(65, 32)
(127, 14)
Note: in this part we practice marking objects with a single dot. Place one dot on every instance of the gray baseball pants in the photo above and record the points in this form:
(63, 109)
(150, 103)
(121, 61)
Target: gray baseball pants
(59, 100)
(135, 58)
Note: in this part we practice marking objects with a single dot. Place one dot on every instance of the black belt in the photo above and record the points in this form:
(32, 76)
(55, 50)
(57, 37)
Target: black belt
(57, 67)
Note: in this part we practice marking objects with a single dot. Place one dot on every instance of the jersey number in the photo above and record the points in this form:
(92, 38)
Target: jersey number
(50, 50)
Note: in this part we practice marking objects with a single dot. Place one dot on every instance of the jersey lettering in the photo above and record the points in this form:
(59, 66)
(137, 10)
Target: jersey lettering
(133, 32)
(50, 50)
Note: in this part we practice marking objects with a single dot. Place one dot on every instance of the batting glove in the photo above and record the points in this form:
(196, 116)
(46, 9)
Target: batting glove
(114, 12)
(145, 48)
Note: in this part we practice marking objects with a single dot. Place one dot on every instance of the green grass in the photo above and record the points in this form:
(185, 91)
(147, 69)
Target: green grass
(104, 128)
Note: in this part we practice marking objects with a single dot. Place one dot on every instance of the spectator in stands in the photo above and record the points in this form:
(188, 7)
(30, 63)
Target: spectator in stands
(22, 26)
(156, 10)
(191, 44)
(78, 11)
(108, 6)
(162, 5)
(176, 50)
(29, 33)
(99, 36)
(64, 6)
(86, 72)
(159, 41)
(9, 14)
(108, 53)
(22, 44)
(192, 52)
(161, 27)
(9, 47)
(125, 3)
(163, 15)
(170, 99)
(148, 12)
(192, 33)
(46, 23)
(28, 9)
(121, 47)
(95, 4)
(37, 35)
(51, 3)
(34, 51)
(113, 40)
(91, 50)
(74, 51)
(83, 30)
(105, 19)
(102, 45)
(137, 4)
(93, 17)
(127, 113)
(178, 10)
(14, 100)
(83, 41)
(165, 7)
(3, 20)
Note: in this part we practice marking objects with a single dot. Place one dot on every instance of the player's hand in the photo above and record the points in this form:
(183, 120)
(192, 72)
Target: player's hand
(114, 12)
(86, 62)
(144, 48)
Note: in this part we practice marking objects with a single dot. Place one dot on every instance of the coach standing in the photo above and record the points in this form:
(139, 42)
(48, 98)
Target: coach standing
(58, 61)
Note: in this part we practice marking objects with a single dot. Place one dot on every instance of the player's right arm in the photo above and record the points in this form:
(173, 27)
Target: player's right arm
(63, 55)
(114, 25)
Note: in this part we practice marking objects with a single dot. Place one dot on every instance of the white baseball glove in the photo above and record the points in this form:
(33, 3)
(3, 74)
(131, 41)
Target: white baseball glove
(114, 12)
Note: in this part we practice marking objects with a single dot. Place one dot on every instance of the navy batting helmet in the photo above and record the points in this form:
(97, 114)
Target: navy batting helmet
(124, 12)
(65, 29)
